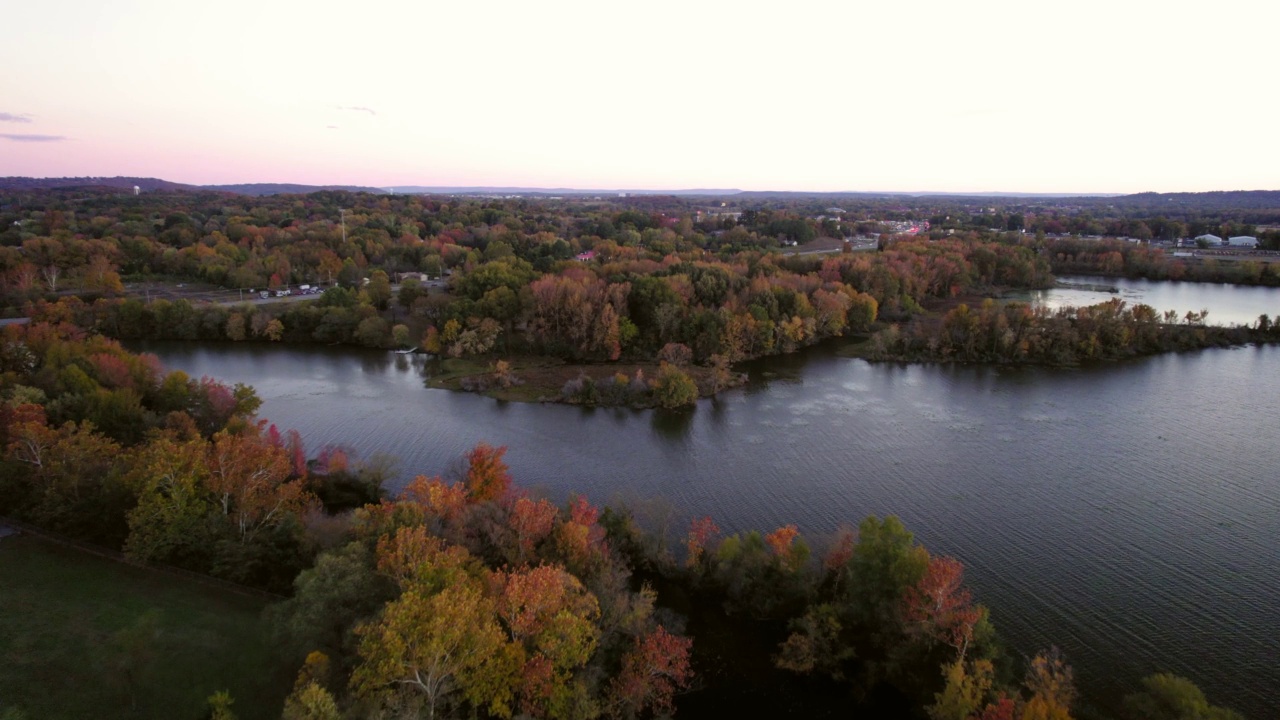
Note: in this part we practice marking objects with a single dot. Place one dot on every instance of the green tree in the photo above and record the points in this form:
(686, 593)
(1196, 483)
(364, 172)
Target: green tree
(379, 289)
(372, 331)
(673, 388)
(1170, 697)
(220, 706)
(311, 702)
(349, 276)
(400, 335)
(410, 289)
(330, 598)
(170, 524)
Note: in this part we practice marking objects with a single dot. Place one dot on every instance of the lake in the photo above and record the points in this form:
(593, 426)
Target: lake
(1129, 514)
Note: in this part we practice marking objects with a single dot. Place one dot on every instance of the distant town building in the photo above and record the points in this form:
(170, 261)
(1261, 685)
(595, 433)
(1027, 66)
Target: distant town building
(1248, 241)
(1211, 239)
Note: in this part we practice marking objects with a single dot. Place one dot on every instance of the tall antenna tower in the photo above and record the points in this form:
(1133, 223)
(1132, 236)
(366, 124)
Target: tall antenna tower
(342, 214)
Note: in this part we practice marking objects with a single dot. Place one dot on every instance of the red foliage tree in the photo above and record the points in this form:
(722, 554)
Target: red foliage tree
(940, 607)
(532, 522)
(655, 669)
(434, 496)
(780, 540)
(487, 476)
(701, 531)
(1002, 708)
(580, 538)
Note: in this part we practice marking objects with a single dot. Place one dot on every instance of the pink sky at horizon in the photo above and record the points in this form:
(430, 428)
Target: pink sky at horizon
(1119, 96)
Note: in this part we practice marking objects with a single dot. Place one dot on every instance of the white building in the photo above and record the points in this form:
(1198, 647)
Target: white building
(1248, 241)
(1211, 239)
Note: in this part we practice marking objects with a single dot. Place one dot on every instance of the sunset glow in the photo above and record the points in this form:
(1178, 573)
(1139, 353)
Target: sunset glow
(1115, 96)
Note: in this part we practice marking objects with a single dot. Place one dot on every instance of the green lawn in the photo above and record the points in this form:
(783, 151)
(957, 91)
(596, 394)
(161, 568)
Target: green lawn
(63, 653)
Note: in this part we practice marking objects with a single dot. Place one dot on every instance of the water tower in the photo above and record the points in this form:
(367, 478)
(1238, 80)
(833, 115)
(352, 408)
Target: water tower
(137, 190)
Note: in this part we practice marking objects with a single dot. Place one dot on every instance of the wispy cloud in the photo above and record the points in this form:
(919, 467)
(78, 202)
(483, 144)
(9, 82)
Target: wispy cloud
(332, 127)
(10, 117)
(358, 108)
(18, 137)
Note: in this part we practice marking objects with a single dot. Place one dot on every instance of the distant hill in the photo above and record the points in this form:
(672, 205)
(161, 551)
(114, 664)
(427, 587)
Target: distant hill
(793, 194)
(1222, 200)
(156, 184)
(495, 190)
(124, 183)
(288, 189)
(1147, 201)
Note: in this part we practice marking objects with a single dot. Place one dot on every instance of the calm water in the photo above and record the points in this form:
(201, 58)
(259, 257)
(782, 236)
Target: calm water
(1129, 514)
(1227, 304)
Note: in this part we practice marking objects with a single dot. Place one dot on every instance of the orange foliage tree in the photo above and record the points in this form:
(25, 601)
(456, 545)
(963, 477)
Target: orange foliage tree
(487, 476)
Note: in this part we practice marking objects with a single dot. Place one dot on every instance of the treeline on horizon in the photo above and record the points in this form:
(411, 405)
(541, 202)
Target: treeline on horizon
(257, 242)
(474, 597)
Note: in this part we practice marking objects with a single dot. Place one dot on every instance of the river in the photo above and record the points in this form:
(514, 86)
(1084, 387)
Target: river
(1129, 514)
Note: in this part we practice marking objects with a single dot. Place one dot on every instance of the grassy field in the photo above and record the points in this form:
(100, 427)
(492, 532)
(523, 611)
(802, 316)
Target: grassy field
(85, 637)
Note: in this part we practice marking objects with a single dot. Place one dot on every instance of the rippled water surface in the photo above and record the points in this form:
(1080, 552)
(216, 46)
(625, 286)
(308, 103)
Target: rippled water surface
(1129, 514)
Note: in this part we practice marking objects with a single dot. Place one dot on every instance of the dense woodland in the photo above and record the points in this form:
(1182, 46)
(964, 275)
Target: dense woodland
(468, 596)
(696, 272)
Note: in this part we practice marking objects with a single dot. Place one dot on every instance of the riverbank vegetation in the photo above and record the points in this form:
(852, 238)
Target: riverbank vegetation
(603, 285)
(625, 307)
(1117, 258)
(470, 596)
(1017, 333)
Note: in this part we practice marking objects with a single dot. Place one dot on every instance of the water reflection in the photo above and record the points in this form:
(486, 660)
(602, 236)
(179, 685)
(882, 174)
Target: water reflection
(376, 363)
(673, 425)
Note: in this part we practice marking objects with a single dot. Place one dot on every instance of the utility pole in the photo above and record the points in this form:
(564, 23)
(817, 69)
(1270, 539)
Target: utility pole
(342, 214)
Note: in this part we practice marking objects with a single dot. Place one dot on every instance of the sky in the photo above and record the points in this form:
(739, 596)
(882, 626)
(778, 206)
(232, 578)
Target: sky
(1108, 96)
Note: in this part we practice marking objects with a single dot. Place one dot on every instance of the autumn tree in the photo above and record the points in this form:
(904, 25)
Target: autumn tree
(531, 523)
(310, 699)
(791, 555)
(701, 532)
(580, 539)
(965, 691)
(487, 476)
(68, 472)
(553, 620)
(653, 671)
(249, 478)
(1050, 681)
(439, 645)
(673, 388)
(939, 607)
